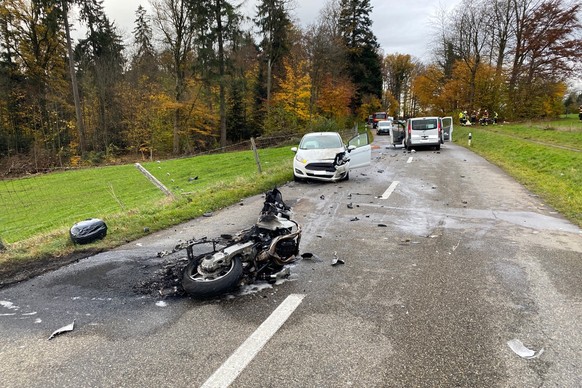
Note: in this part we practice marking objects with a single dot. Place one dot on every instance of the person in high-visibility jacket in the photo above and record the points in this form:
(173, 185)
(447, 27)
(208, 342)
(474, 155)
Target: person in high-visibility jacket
(463, 117)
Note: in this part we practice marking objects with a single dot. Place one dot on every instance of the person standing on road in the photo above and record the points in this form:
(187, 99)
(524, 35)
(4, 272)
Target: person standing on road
(580, 113)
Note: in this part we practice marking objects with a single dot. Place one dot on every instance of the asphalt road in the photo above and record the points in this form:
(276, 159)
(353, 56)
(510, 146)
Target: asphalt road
(446, 260)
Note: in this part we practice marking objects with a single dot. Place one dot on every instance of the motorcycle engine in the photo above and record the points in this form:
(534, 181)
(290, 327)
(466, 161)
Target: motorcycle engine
(286, 248)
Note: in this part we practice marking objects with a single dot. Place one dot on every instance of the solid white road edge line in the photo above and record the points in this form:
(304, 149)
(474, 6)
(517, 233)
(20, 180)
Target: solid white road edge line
(390, 190)
(229, 371)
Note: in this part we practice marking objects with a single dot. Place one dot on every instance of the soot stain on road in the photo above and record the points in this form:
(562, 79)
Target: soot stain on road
(165, 281)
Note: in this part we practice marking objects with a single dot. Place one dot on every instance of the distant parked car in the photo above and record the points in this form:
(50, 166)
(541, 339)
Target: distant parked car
(323, 156)
(383, 127)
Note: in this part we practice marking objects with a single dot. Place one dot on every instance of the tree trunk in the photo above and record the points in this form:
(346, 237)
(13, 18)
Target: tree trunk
(221, 69)
(74, 85)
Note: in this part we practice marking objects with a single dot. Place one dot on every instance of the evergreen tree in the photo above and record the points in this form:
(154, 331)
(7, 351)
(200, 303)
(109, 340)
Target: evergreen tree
(364, 61)
(145, 56)
(217, 25)
(274, 23)
(101, 60)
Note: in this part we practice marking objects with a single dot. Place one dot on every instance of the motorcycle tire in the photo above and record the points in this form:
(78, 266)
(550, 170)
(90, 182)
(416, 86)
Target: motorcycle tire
(195, 285)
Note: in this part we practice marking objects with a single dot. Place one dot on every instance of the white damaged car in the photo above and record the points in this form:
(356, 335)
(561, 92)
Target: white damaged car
(323, 156)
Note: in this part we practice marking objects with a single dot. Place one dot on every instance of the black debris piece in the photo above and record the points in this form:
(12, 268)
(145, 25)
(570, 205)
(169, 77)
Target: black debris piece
(87, 231)
(355, 219)
(322, 196)
(335, 261)
(382, 225)
(350, 205)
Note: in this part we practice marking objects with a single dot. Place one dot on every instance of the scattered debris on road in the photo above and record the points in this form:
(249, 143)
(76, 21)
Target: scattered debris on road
(335, 261)
(521, 350)
(62, 330)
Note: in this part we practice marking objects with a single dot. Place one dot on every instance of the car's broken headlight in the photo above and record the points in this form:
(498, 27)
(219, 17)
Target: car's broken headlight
(300, 159)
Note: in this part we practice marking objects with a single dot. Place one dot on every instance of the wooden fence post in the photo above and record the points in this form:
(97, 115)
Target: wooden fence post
(256, 152)
(154, 180)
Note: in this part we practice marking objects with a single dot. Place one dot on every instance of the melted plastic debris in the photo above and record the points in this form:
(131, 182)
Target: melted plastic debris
(521, 350)
(161, 303)
(64, 329)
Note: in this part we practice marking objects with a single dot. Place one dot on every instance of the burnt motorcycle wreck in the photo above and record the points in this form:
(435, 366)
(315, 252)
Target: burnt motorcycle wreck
(261, 252)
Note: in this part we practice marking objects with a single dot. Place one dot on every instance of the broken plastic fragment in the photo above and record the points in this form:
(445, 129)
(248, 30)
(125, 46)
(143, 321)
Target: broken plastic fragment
(336, 260)
(62, 330)
(310, 256)
(519, 348)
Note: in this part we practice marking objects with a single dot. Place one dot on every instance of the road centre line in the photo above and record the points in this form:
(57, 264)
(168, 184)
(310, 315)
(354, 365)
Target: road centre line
(390, 190)
(409, 160)
(235, 364)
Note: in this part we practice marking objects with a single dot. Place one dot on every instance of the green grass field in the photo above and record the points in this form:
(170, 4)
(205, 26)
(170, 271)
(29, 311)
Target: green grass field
(37, 212)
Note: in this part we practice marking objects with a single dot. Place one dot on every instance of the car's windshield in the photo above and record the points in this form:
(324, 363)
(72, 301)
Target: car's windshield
(320, 142)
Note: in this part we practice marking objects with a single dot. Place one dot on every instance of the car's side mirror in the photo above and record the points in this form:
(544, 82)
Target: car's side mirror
(351, 148)
(294, 149)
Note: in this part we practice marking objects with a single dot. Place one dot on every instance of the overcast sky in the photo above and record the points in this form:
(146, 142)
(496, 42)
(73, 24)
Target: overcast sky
(400, 26)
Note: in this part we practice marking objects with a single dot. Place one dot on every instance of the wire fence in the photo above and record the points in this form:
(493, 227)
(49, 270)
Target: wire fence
(41, 203)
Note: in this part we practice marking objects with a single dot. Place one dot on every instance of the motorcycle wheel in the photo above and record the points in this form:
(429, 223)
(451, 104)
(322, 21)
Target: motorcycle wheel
(196, 285)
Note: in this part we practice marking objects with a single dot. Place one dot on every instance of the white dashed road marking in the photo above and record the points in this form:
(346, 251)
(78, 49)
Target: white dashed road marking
(235, 364)
(390, 190)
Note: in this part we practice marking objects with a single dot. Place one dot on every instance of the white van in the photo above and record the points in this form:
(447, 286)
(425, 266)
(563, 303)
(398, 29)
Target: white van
(424, 132)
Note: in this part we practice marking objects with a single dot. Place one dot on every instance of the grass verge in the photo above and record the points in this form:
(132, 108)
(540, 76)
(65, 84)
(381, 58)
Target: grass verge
(545, 157)
(200, 185)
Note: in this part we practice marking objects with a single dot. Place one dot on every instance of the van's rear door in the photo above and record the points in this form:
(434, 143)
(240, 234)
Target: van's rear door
(448, 128)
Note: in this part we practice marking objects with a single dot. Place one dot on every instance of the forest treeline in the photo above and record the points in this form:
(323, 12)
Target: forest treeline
(199, 74)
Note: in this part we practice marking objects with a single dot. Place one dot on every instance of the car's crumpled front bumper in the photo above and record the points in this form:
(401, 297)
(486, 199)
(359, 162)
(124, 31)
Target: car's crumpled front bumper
(324, 170)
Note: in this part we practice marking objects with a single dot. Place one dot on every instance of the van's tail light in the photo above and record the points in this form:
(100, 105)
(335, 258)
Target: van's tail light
(409, 128)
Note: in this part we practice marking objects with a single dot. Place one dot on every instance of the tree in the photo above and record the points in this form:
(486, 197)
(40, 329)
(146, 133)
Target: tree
(326, 55)
(547, 50)
(398, 72)
(274, 23)
(217, 25)
(74, 84)
(295, 93)
(34, 49)
(101, 63)
(173, 19)
(364, 62)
